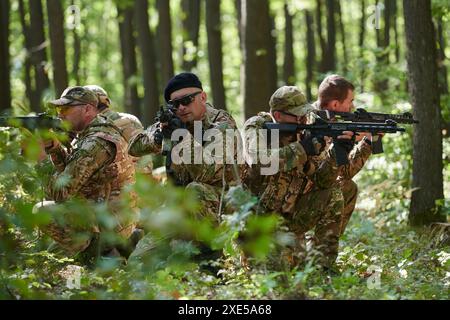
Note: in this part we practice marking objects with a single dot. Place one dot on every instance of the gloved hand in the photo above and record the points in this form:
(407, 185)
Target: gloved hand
(313, 145)
(158, 137)
(345, 144)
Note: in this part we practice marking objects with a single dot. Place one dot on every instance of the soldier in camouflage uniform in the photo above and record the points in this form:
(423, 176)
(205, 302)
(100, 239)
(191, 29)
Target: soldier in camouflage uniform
(337, 94)
(96, 169)
(129, 124)
(284, 192)
(184, 92)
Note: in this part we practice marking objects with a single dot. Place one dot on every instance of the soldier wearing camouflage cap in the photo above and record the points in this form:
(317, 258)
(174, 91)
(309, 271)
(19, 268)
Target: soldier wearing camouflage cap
(283, 192)
(128, 123)
(96, 169)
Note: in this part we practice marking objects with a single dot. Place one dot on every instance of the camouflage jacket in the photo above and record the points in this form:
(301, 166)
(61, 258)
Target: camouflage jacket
(212, 174)
(357, 157)
(130, 126)
(98, 166)
(278, 192)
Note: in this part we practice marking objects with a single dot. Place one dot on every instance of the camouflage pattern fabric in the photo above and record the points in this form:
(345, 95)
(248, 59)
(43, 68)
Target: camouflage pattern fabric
(284, 192)
(96, 169)
(205, 178)
(350, 192)
(357, 157)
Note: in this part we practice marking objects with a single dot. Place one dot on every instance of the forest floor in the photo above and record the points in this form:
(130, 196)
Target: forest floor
(380, 257)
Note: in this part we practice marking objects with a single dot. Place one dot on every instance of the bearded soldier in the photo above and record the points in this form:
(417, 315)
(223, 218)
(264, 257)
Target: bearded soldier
(96, 169)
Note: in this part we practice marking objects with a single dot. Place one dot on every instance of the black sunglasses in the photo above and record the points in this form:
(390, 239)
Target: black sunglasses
(185, 101)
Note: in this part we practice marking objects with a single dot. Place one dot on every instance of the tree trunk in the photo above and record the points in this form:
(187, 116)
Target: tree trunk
(272, 51)
(76, 52)
(255, 80)
(191, 27)
(362, 34)
(289, 58)
(38, 48)
(342, 32)
(30, 92)
(57, 42)
(395, 27)
(322, 42)
(164, 36)
(442, 69)
(311, 53)
(424, 92)
(146, 44)
(128, 49)
(238, 6)
(362, 24)
(329, 63)
(5, 84)
(213, 28)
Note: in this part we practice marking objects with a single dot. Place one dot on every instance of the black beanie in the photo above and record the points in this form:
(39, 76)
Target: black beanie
(180, 81)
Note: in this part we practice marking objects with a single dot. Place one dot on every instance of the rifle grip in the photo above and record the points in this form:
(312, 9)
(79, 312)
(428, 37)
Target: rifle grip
(341, 155)
(377, 144)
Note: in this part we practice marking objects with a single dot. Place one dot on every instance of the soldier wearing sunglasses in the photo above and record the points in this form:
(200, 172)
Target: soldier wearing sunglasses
(184, 93)
(95, 169)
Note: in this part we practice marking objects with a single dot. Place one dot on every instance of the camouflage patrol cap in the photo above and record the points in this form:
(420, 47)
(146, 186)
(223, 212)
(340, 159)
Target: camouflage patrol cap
(290, 99)
(74, 96)
(101, 93)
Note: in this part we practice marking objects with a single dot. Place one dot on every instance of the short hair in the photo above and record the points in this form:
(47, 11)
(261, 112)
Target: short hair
(334, 87)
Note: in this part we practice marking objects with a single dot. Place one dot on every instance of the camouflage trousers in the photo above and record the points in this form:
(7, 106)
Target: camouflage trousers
(319, 210)
(74, 231)
(209, 199)
(350, 192)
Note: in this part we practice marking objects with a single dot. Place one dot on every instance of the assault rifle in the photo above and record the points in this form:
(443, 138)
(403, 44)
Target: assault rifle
(167, 115)
(361, 115)
(335, 129)
(39, 121)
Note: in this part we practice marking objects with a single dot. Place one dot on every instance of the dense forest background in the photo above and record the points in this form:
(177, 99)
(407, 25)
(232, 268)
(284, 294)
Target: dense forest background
(395, 52)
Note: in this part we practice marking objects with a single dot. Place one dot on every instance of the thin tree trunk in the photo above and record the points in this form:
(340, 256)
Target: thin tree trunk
(311, 53)
(213, 28)
(128, 49)
(362, 33)
(395, 27)
(442, 69)
(362, 24)
(5, 84)
(191, 26)
(427, 180)
(329, 64)
(76, 53)
(164, 36)
(148, 56)
(238, 6)
(322, 42)
(57, 42)
(289, 58)
(272, 51)
(38, 47)
(342, 32)
(30, 92)
(256, 88)
(383, 40)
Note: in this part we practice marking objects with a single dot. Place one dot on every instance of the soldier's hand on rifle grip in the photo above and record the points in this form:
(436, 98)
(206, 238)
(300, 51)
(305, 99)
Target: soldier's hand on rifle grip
(158, 137)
